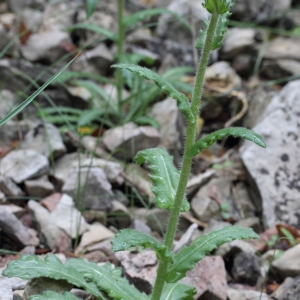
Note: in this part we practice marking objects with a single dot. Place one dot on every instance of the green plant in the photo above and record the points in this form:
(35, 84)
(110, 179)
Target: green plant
(130, 108)
(169, 189)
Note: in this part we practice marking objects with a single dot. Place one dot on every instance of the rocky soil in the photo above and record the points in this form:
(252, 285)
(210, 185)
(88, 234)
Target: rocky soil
(70, 191)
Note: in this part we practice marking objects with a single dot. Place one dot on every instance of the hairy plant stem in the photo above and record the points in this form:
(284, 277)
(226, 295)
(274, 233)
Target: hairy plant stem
(187, 162)
(120, 44)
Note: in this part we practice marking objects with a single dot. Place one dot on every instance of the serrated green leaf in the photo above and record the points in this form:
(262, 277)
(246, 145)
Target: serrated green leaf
(139, 16)
(237, 132)
(164, 175)
(90, 6)
(30, 266)
(182, 100)
(107, 279)
(219, 32)
(178, 291)
(50, 295)
(94, 28)
(186, 259)
(128, 238)
(34, 95)
(218, 6)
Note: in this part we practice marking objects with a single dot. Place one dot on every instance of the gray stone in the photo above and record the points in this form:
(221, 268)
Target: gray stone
(10, 131)
(94, 145)
(21, 165)
(46, 140)
(206, 203)
(138, 178)
(31, 19)
(243, 198)
(95, 61)
(121, 197)
(205, 208)
(94, 189)
(113, 170)
(105, 16)
(45, 46)
(237, 40)
(95, 234)
(6, 36)
(40, 187)
(38, 286)
(68, 218)
(139, 268)
(64, 165)
(186, 238)
(197, 181)
(9, 188)
(283, 48)
(209, 278)
(274, 171)
(59, 15)
(15, 283)
(171, 127)
(49, 233)
(288, 290)
(141, 227)
(259, 100)
(6, 292)
(15, 230)
(230, 249)
(125, 141)
(259, 10)
(119, 215)
(246, 268)
(175, 30)
(104, 246)
(278, 68)
(171, 53)
(220, 80)
(157, 219)
(253, 223)
(215, 225)
(17, 6)
(246, 295)
(288, 265)
(7, 101)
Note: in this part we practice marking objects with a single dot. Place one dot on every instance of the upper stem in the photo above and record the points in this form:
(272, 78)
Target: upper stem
(187, 162)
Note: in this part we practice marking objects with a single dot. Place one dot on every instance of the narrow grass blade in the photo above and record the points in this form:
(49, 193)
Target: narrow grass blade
(35, 94)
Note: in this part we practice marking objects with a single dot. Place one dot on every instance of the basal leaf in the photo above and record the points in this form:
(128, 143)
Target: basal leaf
(164, 175)
(34, 95)
(219, 33)
(50, 295)
(128, 238)
(182, 100)
(94, 28)
(90, 6)
(186, 259)
(139, 16)
(30, 266)
(218, 6)
(107, 279)
(178, 291)
(237, 132)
